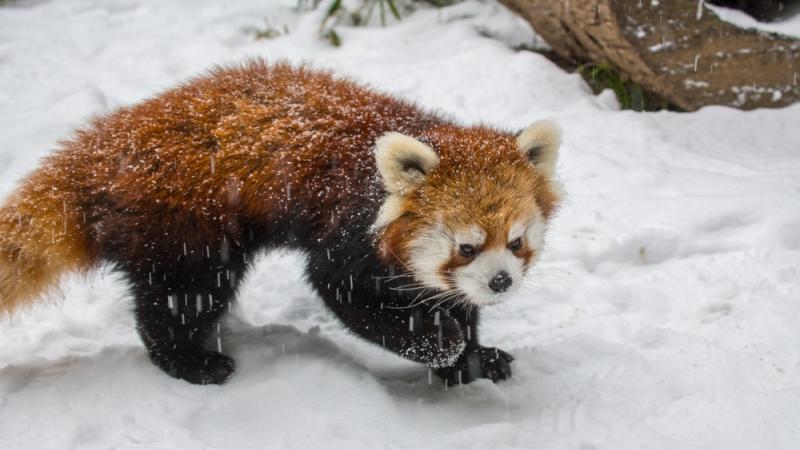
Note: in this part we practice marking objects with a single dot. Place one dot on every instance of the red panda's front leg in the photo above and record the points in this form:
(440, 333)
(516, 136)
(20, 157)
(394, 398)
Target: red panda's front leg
(433, 338)
(480, 362)
(476, 361)
(444, 340)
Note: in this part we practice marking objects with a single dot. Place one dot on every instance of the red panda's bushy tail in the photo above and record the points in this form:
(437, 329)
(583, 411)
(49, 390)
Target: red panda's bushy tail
(41, 237)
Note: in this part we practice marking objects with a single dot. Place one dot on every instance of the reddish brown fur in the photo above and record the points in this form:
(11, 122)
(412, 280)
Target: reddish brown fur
(42, 234)
(245, 143)
(154, 160)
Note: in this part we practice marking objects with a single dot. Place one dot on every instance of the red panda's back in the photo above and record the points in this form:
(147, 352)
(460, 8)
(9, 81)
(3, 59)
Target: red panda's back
(251, 140)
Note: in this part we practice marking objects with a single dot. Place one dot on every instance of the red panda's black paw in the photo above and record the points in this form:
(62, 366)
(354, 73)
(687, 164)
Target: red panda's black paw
(200, 366)
(483, 362)
(495, 363)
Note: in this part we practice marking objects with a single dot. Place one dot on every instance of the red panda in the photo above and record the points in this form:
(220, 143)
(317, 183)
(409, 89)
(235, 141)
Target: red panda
(410, 221)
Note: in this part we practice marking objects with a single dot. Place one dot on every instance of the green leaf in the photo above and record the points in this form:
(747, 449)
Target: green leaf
(332, 10)
(637, 98)
(394, 10)
(335, 6)
(334, 38)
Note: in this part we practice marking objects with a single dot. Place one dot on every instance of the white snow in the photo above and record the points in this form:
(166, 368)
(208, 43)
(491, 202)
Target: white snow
(789, 26)
(664, 314)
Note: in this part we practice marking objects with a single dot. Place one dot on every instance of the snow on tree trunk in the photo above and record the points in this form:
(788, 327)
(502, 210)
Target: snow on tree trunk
(677, 48)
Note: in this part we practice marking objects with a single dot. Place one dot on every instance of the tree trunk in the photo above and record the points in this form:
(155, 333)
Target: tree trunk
(676, 48)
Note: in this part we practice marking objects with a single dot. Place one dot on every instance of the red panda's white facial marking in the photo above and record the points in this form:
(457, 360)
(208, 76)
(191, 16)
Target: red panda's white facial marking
(427, 251)
(472, 236)
(492, 271)
(492, 277)
(472, 221)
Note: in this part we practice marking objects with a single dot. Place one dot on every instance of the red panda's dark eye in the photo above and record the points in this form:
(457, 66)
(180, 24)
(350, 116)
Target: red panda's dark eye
(466, 250)
(515, 245)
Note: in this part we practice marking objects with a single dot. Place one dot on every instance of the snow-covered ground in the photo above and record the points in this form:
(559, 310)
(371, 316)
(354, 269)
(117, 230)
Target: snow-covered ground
(665, 314)
(789, 26)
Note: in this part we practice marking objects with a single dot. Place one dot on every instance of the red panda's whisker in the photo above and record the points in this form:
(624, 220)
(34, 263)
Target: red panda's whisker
(554, 277)
(439, 295)
(430, 297)
(394, 277)
(444, 300)
(399, 260)
(408, 287)
(538, 283)
(416, 301)
(447, 295)
(413, 303)
(462, 301)
(402, 307)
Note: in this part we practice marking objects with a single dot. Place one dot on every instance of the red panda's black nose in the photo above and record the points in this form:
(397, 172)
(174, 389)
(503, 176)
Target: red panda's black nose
(501, 282)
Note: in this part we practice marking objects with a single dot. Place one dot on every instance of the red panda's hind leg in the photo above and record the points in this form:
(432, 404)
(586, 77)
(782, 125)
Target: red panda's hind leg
(179, 306)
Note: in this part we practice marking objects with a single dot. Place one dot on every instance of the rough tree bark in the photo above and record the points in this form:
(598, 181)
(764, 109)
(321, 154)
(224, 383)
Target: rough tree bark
(676, 48)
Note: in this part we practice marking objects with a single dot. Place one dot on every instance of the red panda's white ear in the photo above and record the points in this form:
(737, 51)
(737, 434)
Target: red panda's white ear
(403, 161)
(539, 143)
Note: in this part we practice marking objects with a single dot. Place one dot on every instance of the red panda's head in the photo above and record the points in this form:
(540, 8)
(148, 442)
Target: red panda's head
(467, 208)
